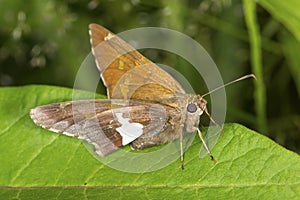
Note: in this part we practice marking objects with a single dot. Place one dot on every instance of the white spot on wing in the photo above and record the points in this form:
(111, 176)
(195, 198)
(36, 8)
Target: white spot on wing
(97, 64)
(109, 36)
(129, 131)
(68, 134)
(90, 33)
(103, 80)
(93, 50)
(64, 132)
(53, 130)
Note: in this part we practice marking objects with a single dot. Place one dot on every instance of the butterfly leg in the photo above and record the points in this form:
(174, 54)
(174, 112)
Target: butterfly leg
(205, 146)
(181, 150)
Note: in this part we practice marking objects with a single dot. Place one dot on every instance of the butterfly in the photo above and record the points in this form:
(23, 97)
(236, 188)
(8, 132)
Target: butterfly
(146, 106)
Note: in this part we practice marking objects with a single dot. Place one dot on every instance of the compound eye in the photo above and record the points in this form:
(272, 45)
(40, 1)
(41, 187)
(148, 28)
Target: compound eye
(191, 108)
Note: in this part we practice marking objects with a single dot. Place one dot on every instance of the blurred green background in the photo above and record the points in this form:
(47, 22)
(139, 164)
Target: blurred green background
(44, 42)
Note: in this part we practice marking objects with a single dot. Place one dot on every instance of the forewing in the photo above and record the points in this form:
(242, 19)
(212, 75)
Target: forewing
(106, 124)
(125, 72)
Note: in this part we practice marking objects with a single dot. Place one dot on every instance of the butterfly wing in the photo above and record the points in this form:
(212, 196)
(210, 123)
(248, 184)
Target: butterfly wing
(106, 124)
(125, 72)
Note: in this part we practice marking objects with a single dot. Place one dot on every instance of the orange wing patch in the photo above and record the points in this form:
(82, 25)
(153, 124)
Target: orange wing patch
(125, 72)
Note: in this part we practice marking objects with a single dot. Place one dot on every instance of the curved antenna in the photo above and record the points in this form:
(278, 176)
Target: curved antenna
(236, 80)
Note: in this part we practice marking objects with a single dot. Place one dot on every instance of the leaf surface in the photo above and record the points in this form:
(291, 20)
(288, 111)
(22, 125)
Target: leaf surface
(39, 164)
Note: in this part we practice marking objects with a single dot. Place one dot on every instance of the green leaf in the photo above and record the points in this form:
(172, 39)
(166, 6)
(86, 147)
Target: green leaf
(39, 164)
(287, 12)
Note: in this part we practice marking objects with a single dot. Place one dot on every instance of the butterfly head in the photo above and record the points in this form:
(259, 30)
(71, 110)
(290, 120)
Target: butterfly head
(195, 106)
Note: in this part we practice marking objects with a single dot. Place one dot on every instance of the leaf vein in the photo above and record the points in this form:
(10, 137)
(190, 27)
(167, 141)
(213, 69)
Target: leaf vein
(26, 165)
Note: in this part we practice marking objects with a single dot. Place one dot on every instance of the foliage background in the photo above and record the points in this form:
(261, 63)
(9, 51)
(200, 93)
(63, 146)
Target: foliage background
(44, 42)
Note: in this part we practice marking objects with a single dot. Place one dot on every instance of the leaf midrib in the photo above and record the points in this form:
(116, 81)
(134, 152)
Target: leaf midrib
(194, 186)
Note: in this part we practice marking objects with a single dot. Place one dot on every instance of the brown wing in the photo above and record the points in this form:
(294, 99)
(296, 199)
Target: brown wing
(125, 72)
(107, 124)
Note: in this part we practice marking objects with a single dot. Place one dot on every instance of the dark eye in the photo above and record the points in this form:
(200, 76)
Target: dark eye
(191, 108)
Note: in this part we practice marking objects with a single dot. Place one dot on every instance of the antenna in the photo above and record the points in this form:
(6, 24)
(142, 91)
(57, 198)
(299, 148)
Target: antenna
(236, 80)
(215, 122)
